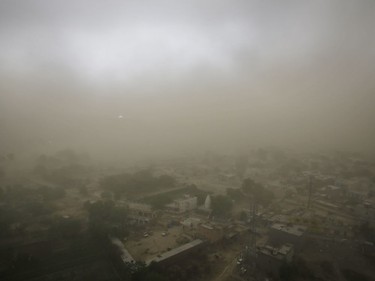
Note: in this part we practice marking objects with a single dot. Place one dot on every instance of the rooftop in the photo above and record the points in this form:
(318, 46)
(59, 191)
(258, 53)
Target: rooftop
(278, 253)
(175, 251)
(207, 226)
(297, 230)
(139, 207)
(125, 255)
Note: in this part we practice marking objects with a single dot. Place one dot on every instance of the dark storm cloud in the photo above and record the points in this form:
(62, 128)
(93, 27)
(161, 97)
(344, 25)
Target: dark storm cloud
(187, 74)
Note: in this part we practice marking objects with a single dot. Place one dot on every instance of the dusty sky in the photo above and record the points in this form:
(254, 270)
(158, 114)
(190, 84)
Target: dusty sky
(148, 78)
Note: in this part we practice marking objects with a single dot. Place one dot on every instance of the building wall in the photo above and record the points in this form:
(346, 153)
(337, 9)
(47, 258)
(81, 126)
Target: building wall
(187, 204)
(179, 257)
(210, 233)
(269, 264)
(141, 213)
(184, 205)
(279, 237)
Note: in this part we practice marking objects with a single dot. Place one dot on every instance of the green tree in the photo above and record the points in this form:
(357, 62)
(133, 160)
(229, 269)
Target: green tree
(257, 191)
(222, 205)
(241, 165)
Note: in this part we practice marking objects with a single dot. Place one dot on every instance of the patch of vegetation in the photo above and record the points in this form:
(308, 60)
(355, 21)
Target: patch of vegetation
(327, 267)
(64, 168)
(221, 205)
(139, 182)
(262, 195)
(352, 275)
(158, 202)
(106, 218)
(296, 270)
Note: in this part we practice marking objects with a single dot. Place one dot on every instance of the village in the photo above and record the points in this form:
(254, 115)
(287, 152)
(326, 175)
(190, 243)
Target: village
(267, 215)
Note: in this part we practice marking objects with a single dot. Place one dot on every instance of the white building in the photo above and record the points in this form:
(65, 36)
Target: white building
(184, 204)
(140, 213)
(207, 203)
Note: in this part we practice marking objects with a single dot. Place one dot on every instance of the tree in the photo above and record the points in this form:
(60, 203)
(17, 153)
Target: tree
(166, 181)
(367, 231)
(257, 191)
(106, 218)
(243, 216)
(235, 194)
(2, 173)
(289, 193)
(139, 272)
(159, 201)
(66, 227)
(221, 205)
(106, 195)
(83, 190)
(241, 165)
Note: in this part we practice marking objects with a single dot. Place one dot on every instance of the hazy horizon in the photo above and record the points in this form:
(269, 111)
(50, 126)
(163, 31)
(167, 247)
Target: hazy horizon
(133, 79)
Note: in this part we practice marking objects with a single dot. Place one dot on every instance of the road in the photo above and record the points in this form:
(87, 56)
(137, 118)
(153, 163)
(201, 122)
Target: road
(227, 270)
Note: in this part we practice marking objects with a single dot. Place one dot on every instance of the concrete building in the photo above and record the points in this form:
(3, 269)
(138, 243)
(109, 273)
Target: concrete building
(357, 194)
(270, 259)
(183, 205)
(210, 232)
(140, 213)
(283, 233)
(124, 254)
(176, 254)
(332, 192)
(207, 203)
(190, 222)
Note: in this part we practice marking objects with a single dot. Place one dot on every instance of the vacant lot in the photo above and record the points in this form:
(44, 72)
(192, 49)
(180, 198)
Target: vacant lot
(144, 248)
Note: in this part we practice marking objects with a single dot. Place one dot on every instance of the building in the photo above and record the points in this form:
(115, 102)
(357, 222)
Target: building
(332, 192)
(183, 205)
(357, 194)
(270, 259)
(176, 254)
(207, 203)
(210, 232)
(284, 233)
(124, 254)
(278, 219)
(190, 222)
(140, 213)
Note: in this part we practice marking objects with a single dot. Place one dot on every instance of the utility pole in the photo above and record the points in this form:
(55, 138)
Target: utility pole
(250, 251)
(309, 201)
(252, 246)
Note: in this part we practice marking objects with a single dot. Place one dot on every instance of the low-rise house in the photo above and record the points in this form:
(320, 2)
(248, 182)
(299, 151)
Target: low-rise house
(332, 192)
(126, 257)
(286, 233)
(270, 259)
(188, 203)
(190, 222)
(176, 254)
(210, 232)
(141, 213)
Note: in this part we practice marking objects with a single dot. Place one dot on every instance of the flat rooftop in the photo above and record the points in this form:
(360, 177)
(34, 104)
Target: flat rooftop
(277, 253)
(125, 255)
(297, 230)
(175, 251)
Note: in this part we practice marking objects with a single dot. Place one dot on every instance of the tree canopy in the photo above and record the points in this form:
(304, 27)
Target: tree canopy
(222, 205)
(257, 191)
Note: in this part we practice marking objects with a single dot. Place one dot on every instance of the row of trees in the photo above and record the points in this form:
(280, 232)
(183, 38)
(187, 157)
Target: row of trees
(138, 182)
(23, 205)
(19, 193)
(107, 218)
(223, 204)
(62, 168)
(262, 195)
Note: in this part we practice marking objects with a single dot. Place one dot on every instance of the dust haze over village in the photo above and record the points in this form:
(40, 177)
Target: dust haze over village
(187, 140)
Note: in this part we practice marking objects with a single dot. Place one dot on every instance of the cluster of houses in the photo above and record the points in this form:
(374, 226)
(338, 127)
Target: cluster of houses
(332, 208)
